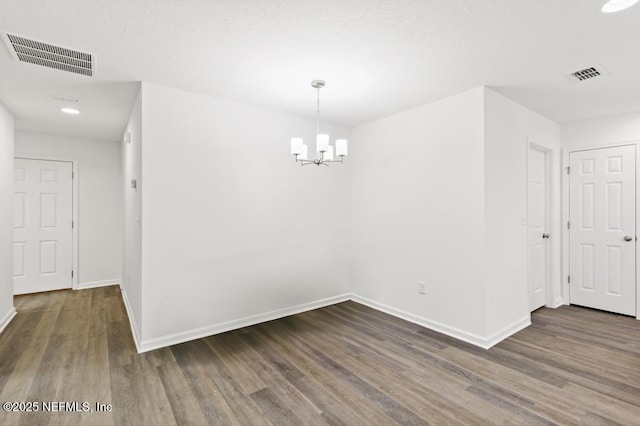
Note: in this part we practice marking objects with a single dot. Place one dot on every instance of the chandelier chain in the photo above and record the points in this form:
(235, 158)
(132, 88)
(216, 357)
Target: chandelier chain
(318, 111)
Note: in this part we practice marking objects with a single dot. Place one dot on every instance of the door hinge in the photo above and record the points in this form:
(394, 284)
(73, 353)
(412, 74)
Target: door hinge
(72, 274)
(568, 169)
(568, 225)
(72, 224)
(569, 279)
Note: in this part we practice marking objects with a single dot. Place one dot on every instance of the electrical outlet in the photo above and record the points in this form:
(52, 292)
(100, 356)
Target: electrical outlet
(422, 287)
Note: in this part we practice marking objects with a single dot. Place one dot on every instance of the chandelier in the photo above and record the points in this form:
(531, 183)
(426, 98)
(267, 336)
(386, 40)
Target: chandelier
(324, 150)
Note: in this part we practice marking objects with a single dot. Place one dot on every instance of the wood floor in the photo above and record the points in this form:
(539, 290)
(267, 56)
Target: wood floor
(345, 365)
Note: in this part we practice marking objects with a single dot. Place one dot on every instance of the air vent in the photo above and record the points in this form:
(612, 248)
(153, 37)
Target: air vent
(65, 99)
(587, 74)
(49, 55)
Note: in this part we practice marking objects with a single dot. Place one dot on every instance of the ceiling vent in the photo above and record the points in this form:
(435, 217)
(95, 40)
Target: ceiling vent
(587, 74)
(49, 55)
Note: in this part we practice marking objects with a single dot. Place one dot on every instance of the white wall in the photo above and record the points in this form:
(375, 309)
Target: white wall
(418, 214)
(132, 218)
(231, 231)
(602, 131)
(439, 195)
(100, 217)
(232, 228)
(509, 128)
(7, 310)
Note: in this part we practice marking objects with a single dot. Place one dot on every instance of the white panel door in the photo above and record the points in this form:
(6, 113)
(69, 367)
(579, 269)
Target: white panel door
(538, 236)
(42, 230)
(602, 197)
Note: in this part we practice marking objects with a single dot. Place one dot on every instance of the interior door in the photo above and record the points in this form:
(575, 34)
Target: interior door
(602, 233)
(538, 233)
(42, 230)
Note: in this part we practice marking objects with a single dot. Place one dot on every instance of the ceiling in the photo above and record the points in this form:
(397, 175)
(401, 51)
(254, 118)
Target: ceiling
(378, 57)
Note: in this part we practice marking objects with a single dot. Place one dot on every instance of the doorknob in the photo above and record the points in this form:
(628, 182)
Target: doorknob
(545, 235)
(628, 238)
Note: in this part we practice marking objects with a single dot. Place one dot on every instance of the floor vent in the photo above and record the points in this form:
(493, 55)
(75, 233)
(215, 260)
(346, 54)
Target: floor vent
(587, 74)
(49, 55)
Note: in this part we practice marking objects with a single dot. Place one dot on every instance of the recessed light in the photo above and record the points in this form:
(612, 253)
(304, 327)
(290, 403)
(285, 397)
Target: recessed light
(70, 111)
(617, 5)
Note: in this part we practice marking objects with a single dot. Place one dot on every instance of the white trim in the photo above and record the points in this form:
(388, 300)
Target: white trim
(557, 303)
(197, 333)
(565, 231)
(93, 284)
(7, 318)
(637, 143)
(132, 319)
(507, 331)
(565, 215)
(474, 339)
(210, 330)
(74, 206)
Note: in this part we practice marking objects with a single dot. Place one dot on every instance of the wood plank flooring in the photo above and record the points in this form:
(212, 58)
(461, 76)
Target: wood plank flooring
(341, 365)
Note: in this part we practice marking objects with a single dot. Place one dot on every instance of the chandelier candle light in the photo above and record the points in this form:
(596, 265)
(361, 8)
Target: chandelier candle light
(324, 150)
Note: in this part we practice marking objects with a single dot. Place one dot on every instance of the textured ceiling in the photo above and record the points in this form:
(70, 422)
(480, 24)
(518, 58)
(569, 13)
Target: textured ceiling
(377, 56)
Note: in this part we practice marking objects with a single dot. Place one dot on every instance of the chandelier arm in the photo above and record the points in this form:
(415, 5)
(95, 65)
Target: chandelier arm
(318, 162)
(304, 162)
(335, 161)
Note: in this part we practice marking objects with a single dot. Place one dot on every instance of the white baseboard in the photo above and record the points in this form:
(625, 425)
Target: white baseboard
(173, 339)
(507, 331)
(93, 284)
(474, 339)
(7, 318)
(484, 342)
(558, 302)
(132, 319)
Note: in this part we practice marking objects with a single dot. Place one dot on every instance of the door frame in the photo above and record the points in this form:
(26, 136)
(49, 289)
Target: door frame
(565, 215)
(74, 206)
(548, 164)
